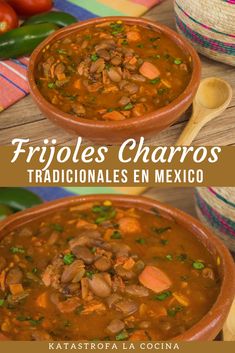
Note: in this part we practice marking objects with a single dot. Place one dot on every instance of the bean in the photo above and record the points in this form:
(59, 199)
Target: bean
(99, 286)
(115, 326)
(83, 253)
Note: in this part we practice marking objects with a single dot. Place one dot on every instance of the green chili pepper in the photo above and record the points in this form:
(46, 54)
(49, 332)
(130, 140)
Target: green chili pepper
(23, 40)
(18, 199)
(58, 18)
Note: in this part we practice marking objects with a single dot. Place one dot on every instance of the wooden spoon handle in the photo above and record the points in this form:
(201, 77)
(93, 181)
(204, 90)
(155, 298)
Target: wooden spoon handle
(190, 132)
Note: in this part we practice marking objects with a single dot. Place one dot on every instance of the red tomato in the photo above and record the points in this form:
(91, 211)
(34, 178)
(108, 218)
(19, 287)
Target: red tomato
(8, 17)
(27, 8)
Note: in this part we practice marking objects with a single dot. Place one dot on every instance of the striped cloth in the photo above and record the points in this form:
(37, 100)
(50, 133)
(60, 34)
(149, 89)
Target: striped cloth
(13, 80)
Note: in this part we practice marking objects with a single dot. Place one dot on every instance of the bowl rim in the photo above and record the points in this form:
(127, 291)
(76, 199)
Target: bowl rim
(211, 323)
(156, 115)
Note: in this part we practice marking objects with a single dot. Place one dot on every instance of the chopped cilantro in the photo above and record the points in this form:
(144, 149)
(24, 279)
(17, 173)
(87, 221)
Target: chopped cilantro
(198, 265)
(161, 230)
(129, 106)
(164, 241)
(68, 259)
(17, 250)
(177, 61)
(116, 235)
(155, 81)
(2, 301)
(141, 241)
(169, 257)
(57, 227)
(51, 85)
(162, 296)
(174, 310)
(121, 336)
(94, 57)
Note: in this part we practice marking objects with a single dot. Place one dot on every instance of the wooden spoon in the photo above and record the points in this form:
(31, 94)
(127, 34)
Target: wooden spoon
(212, 98)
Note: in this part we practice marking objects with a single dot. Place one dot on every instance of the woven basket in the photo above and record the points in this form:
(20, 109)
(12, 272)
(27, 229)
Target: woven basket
(210, 27)
(215, 207)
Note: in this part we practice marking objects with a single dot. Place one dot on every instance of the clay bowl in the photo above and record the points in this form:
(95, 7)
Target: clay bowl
(118, 131)
(211, 324)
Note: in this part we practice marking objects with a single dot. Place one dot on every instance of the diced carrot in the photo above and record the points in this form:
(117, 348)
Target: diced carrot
(41, 300)
(2, 280)
(77, 84)
(129, 225)
(155, 279)
(84, 224)
(133, 61)
(133, 36)
(149, 70)
(16, 288)
(114, 115)
(128, 264)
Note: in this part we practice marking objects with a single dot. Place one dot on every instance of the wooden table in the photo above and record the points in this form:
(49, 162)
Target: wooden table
(24, 119)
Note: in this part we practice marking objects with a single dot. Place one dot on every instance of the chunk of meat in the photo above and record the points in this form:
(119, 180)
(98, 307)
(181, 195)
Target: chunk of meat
(149, 70)
(155, 279)
(139, 109)
(84, 254)
(93, 306)
(129, 225)
(99, 286)
(51, 275)
(114, 115)
(127, 307)
(42, 300)
(69, 305)
(125, 274)
(14, 276)
(78, 109)
(39, 335)
(137, 291)
(133, 36)
(114, 75)
(115, 326)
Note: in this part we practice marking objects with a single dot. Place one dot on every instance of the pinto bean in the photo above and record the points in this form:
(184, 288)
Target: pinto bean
(127, 307)
(14, 276)
(103, 264)
(138, 78)
(137, 291)
(120, 249)
(99, 286)
(116, 60)
(69, 305)
(124, 101)
(114, 75)
(131, 88)
(105, 44)
(113, 299)
(74, 272)
(104, 54)
(97, 66)
(83, 253)
(115, 326)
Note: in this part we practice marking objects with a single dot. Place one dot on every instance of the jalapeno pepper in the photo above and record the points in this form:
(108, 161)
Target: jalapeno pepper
(61, 19)
(18, 199)
(5, 211)
(22, 41)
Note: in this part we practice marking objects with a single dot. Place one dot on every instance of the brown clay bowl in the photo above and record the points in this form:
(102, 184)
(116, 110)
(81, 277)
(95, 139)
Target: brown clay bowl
(211, 324)
(116, 132)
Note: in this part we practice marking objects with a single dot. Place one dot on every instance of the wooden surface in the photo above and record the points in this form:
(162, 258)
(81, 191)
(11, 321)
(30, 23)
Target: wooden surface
(24, 119)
